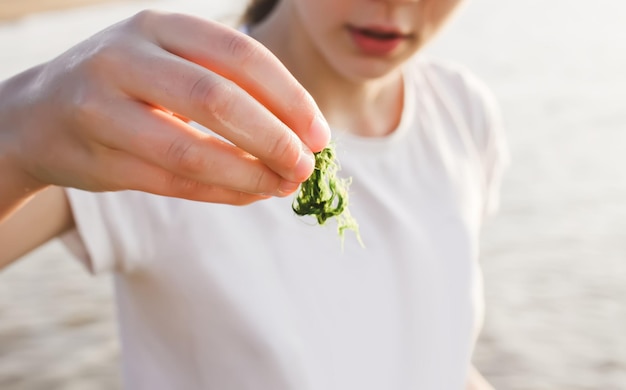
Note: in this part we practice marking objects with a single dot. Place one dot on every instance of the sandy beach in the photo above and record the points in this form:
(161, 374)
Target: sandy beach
(15, 9)
(554, 258)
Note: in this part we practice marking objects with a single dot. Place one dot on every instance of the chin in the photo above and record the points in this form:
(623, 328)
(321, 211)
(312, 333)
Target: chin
(363, 70)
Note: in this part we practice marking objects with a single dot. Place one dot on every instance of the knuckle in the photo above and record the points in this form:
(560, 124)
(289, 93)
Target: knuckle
(242, 48)
(143, 18)
(186, 158)
(101, 62)
(284, 149)
(105, 51)
(183, 186)
(213, 96)
(263, 182)
(259, 181)
(86, 108)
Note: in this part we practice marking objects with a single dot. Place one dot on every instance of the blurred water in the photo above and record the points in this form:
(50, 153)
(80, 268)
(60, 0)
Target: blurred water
(554, 258)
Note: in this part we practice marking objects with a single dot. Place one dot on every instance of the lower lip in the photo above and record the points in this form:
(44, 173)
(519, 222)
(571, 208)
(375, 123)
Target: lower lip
(374, 47)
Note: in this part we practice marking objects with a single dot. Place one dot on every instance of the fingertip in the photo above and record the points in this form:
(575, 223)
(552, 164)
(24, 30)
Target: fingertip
(305, 165)
(319, 134)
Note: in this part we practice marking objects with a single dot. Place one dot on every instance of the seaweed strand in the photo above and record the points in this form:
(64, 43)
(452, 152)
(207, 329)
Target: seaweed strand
(324, 195)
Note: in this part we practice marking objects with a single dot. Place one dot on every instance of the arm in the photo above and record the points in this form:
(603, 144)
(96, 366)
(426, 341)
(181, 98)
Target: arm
(31, 213)
(16, 188)
(39, 219)
(107, 115)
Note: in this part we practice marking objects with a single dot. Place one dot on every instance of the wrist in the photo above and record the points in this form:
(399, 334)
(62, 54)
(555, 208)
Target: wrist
(16, 188)
(16, 185)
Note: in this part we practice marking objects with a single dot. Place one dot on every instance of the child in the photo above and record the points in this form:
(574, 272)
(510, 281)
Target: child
(218, 297)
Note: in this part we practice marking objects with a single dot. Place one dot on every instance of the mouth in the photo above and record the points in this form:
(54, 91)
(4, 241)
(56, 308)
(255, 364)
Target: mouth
(377, 40)
(380, 33)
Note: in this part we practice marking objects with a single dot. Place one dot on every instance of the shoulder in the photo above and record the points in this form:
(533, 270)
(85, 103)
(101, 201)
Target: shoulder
(458, 94)
(449, 72)
(453, 80)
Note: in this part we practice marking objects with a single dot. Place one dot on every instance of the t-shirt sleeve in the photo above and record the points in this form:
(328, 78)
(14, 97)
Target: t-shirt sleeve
(482, 119)
(486, 125)
(495, 152)
(493, 148)
(105, 238)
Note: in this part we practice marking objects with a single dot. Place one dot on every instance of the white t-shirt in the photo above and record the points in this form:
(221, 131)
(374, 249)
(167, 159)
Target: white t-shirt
(232, 298)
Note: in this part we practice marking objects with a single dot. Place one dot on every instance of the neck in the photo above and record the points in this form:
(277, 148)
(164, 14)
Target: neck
(370, 108)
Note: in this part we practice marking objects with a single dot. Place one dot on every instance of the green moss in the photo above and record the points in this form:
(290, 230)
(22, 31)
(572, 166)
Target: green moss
(324, 195)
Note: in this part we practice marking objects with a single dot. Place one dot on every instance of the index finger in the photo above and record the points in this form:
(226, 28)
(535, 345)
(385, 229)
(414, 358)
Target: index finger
(250, 65)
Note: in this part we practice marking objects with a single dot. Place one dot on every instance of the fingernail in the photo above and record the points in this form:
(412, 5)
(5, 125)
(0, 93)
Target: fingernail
(305, 165)
(319, 133)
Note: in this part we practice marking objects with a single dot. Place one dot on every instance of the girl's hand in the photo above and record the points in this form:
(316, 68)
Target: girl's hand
(109, 114)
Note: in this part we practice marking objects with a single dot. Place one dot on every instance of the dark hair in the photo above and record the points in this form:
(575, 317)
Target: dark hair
(257, 10)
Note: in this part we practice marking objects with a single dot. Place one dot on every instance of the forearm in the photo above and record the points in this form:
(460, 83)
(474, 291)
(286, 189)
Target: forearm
(42, 218)
(31, 212)
(16, 186)
(13, 194)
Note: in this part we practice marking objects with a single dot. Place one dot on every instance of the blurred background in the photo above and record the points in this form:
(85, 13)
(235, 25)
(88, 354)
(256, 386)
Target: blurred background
(554, 258)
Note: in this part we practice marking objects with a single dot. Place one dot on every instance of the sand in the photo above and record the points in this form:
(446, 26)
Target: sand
(13, 9)
(554, 258)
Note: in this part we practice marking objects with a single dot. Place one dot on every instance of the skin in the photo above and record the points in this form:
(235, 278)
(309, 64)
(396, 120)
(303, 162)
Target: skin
(99, 117)
(358, 93)
(111, 127)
